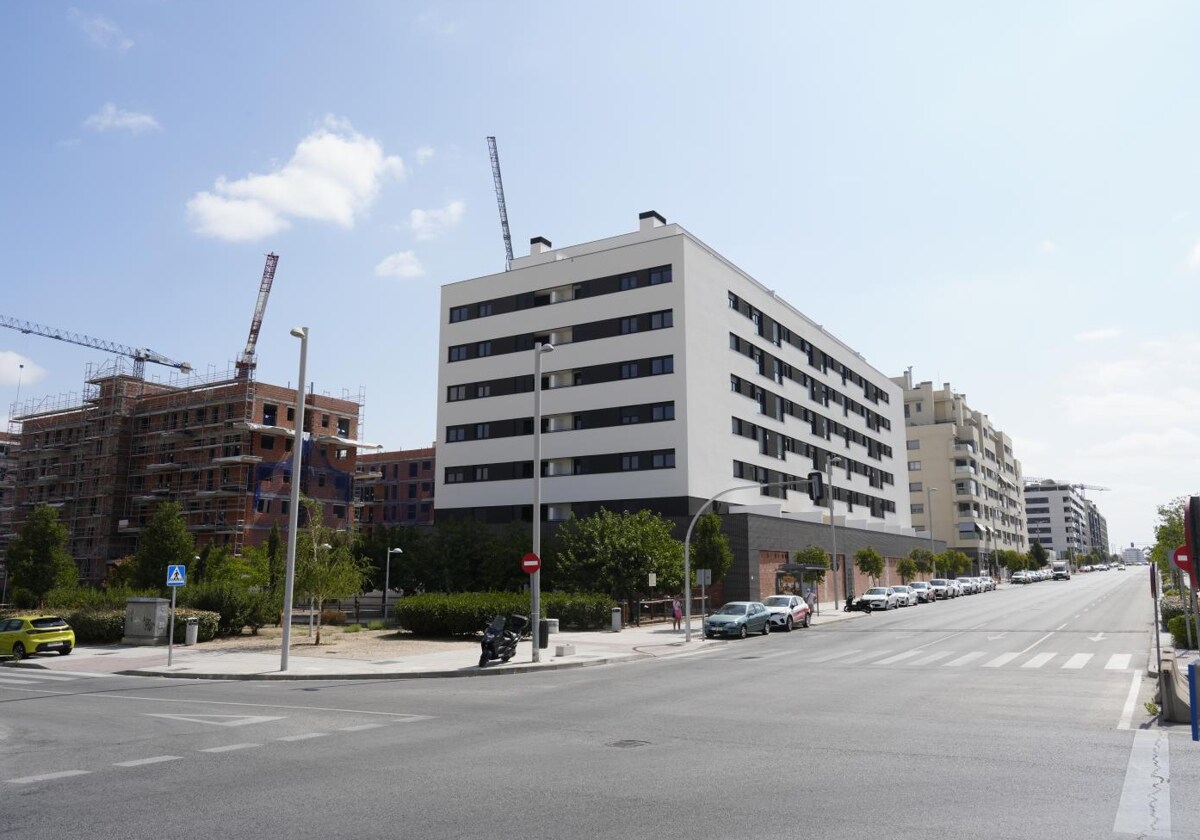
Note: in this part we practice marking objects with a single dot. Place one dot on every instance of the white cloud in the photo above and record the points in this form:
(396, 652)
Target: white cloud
(100, 30)
(1194, 258)
(1099, 334)
(112, 118)
(428, 224)
(11, 372)
(403, 264)
(1048, 246)
(334, 176)
(424, 154)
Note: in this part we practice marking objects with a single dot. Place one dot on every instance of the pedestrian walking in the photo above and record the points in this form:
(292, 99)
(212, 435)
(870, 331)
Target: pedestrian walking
(677, 613)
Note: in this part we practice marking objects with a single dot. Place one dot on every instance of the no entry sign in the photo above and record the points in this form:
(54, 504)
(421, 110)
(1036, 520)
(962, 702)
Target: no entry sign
(530, 563)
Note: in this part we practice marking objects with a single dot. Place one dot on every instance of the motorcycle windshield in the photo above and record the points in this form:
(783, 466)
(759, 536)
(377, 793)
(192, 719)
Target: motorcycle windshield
(497, 624)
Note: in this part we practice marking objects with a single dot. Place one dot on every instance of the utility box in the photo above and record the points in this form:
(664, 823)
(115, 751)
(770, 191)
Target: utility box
(192, 632)
(146, 621)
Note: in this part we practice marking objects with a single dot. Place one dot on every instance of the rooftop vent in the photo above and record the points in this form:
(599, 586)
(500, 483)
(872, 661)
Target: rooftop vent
(650, 220)
(539, 245)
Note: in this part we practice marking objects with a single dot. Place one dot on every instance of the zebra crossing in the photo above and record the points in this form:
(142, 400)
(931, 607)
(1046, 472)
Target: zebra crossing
(976, 658)
(31, 678)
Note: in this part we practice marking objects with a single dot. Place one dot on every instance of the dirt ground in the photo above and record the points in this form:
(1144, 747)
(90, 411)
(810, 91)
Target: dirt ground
(365, 644)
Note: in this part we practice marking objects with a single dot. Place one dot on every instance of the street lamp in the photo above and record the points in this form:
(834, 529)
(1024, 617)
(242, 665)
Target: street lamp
(834, 459)
(535, 581)
(387, 574)
(929, 491)
(294, 505)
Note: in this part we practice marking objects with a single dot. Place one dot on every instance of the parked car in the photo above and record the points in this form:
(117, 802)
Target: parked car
(30, 634)
(906, 596)
(942, 588)
(956, 588)
(787, 611)
(881, 598)
(738, 618)
(988, 583)
(923, 590)
(968, 584)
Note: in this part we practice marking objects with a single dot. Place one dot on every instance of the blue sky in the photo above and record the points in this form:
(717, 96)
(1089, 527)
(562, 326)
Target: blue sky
(1004, 196)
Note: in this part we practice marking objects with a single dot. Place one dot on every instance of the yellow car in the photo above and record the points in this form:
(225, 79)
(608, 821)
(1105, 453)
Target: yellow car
(29, 634)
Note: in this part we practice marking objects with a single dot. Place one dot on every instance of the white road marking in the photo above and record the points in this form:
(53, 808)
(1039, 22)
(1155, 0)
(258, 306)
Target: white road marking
(29, 674)
(25, 683)
(45, 777)
(964, 659)
(831, 656)
(1078, 660)
(1002, 659)
(1118, 662)
(220, 720)
(360, 727)
(898, 657)
(1126, 721)
(1038, 642)
(83, 674)
(304, 737)
(229, 748)
(1061, 626)
(933, 657)
(158, 759)
(1145, 806)
(1039, 660)
(854, 660)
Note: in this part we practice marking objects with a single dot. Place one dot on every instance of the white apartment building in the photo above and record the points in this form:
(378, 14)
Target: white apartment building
(964, 481)
(674, 376)
(1062, 520)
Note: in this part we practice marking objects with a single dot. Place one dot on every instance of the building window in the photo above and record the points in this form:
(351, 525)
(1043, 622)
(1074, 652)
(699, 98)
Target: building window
(666, 411)
(483, 310)
(458, 353)
(483, 391)
(629, 325)
(412, 490)
(412, 468)
(629, 414)
(663, 460)
(629, 370)
(458, 313)
(629, 462)
(263, 506)
(916, 508)
(481, 473)
(343, 427)
(733, 301)
(483, 348)
(661, 365)
(455, 433)
(628, 281)
(915, 487)
(914, 465)
(339, 511)
(660, 320)
(660, 275)
(913, 444)
(266, 442)
(321, 479)
(483, 430)
(454, 476)
(270, 413)
(412, 511)
(456, 392)
(324, 421)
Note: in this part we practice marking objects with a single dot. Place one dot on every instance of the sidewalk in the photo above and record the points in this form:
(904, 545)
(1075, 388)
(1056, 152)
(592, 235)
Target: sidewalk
(461, 660)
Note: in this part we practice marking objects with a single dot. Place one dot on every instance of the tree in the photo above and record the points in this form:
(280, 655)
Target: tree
(276, 560)
(710, 547)
(813, 556)
(952, 563)
(870, 563)
(907, 568)
(1014, 561)
(923, 559)
(1168, 534)
(615, 553)
(38, 559)
(164, 542)
(326, 567)
(1037, 556)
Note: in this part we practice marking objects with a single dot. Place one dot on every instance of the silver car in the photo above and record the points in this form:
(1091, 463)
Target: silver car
(924, 591)
(880, 598)
(906, 595)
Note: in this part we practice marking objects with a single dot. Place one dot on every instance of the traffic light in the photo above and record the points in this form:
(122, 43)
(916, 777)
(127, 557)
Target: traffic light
(816, 486)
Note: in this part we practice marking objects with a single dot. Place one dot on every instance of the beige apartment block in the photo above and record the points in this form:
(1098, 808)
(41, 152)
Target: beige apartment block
(963, 478)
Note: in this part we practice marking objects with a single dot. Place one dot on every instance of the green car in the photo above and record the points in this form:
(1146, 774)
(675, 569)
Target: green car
(29, 634)
(738, 618)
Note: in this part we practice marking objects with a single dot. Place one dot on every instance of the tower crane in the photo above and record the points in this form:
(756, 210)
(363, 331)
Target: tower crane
(140, 355)
(1031, 480)
(247, 361)
(495, 155)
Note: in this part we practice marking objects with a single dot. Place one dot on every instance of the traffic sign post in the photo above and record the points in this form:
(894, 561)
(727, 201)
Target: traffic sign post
(176, 577)
(531, 563)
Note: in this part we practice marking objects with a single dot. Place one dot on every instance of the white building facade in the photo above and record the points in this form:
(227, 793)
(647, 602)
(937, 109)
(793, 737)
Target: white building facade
(1059, 519)
(674, 376)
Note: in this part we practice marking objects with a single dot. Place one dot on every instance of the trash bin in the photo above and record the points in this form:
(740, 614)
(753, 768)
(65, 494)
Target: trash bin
(616, 619)
(543, 633)
(192, 631)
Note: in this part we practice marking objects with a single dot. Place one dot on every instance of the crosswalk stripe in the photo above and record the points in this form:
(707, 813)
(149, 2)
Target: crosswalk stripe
(83, 674)
(1078, 660)
(1002, 659)
(41, 675)
(933, 657)
(828, 657)
(898, 657)
(1118, 662)
(964, 659)
(1039, 660)
(853, 660)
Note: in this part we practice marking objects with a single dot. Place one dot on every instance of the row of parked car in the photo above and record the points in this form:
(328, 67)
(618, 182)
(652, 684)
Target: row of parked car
(922, 592)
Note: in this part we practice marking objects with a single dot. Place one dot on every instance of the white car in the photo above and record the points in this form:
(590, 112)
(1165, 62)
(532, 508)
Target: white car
(880, 598)
(968, 584)
(924, 591)
(942, 589)
(988, 583)
(906, 595)
(788, 611)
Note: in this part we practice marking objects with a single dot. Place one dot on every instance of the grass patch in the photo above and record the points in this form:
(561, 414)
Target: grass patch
(352, 628)
(376, 625)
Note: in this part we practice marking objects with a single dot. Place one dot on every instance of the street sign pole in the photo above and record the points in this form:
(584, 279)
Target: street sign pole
(171, 637)
(176, 577)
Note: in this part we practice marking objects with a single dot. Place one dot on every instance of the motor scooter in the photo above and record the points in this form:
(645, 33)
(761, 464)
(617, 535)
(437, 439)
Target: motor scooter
(500, 638)
(856, 606)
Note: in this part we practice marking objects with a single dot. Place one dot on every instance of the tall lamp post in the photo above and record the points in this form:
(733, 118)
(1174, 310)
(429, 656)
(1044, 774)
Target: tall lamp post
(929, 491)
(294, 505)
(387, 575)
(834, 459)
(535, 580)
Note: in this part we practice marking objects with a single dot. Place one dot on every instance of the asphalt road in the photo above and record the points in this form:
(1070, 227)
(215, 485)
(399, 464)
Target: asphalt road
(1012, 714)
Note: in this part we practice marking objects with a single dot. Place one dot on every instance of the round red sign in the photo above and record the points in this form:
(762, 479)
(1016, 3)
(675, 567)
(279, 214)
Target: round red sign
(530, 563)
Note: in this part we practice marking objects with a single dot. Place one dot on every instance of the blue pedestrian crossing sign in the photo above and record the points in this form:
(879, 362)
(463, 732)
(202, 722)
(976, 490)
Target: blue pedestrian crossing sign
(176, 575)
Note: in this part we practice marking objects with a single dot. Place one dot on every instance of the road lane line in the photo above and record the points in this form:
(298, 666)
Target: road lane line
(29, 674)
(898, 657)
(360, 728)
(1126, 721)
(83, 674)
(1118, 662)
(45, 777)
(964, 659)
(303, 737)
(26, 683)
(1038, 642)
(1078, 660)
(1039, 660)
(1002, 659)
(1145, 806)
(158, 759)
(1061, 626)
(230, 748)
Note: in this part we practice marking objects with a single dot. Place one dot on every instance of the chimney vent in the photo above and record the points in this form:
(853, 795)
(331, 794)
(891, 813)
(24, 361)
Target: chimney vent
(650, 220)
(539, 245)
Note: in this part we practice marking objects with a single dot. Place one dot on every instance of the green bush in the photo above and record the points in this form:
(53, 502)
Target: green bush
(237, 606)
(468, 612)
(333, 618)
(353, 628)
(1178, 628)
(376, 625)
(1170, 607)
(23, 599)
(96, 626)
(64, 598)
(206, 630)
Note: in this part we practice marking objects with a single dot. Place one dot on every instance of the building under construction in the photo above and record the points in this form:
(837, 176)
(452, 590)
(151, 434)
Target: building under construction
(218, 445)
